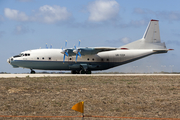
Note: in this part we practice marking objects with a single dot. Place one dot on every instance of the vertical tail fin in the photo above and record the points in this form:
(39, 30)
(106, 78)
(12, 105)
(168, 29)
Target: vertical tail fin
(151, 38)
(152, 34)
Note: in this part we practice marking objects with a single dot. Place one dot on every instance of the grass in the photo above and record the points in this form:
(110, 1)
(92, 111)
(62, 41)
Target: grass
(129, 96)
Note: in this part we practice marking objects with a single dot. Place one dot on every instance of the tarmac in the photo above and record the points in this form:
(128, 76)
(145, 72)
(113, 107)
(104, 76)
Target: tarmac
(87, 75)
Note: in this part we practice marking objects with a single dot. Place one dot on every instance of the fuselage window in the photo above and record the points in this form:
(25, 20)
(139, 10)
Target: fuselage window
(93, 59)
(26, 54)
(70, 58)
(38, 58)
(88, 59)
(43, 58)
(49, 58)
(101, 59)
(107, 59)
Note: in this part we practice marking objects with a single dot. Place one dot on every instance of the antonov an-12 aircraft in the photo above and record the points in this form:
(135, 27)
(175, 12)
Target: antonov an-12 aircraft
(83, 60)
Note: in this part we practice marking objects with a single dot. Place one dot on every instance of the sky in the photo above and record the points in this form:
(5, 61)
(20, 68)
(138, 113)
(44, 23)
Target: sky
(30, 24)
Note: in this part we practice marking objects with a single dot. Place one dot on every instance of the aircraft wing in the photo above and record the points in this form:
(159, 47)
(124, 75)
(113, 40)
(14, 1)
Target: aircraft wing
(90, 50)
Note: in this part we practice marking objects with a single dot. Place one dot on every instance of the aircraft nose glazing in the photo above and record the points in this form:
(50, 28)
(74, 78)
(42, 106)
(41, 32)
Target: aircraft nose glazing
(9, 60)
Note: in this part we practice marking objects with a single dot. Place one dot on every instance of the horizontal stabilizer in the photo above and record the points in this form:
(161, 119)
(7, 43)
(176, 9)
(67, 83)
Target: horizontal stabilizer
(162, 50)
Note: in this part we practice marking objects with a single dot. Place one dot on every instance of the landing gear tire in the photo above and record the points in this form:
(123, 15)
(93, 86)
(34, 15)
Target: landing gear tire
(32, 71)
(88, 72)
(82, 72)
(75, 72)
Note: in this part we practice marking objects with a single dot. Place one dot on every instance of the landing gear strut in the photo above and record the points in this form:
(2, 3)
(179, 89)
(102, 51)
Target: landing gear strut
(32, 71)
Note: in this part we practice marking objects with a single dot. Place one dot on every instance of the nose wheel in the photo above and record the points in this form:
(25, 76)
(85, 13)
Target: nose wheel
(32, 71)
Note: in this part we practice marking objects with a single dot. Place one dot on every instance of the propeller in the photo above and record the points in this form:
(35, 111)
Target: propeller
(77, 51)
(51, 46)
(65, 51)
(46, 46)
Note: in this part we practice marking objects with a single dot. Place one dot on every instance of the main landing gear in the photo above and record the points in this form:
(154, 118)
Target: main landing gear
(80, 72)
(32, 71)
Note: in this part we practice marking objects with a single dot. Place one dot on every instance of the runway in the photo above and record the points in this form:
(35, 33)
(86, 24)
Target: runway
(87, 75)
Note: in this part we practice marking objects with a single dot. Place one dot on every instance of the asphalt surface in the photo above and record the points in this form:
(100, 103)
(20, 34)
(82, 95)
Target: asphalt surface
(57, 75)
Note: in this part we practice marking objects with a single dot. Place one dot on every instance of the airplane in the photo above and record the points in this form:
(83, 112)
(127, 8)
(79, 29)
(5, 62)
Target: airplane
(84, 60)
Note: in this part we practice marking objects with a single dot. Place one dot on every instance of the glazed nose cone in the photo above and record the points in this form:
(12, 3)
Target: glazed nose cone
(9, 60)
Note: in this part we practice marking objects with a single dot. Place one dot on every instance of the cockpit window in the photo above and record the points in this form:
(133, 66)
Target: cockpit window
(16, 56)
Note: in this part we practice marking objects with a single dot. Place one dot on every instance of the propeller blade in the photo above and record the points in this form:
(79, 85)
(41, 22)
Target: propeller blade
(79, 43)
(66, 53)
(77, 51)
(46, 46)
(64, 58)
(65, 43)
(74, 46)
(76, 56)
(79, 54)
